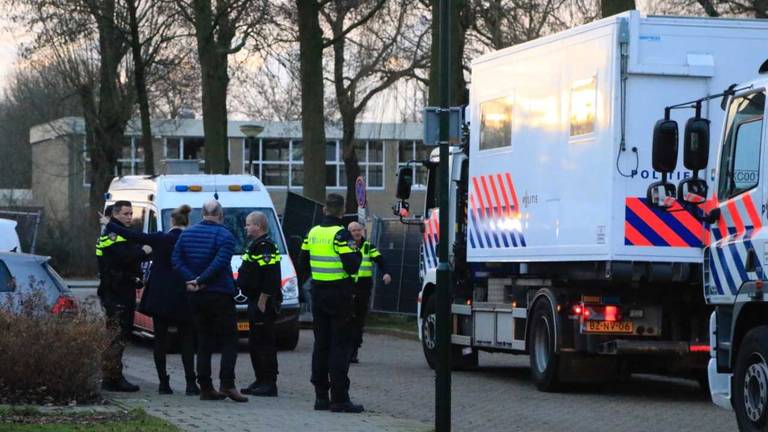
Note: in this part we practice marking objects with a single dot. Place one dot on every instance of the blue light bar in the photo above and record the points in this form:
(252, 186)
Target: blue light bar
(247, 188)
(182, 188)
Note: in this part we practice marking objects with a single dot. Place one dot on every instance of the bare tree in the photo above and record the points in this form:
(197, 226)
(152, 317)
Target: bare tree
(221, 28)
(375, 44)
(613, 7)
(497, 24)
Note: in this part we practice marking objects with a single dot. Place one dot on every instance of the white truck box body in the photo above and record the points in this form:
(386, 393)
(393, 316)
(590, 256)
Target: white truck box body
(544, 194)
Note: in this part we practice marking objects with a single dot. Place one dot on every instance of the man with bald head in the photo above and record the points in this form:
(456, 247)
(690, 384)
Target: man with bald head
(259, 278)
(202, 256)
(364, 281)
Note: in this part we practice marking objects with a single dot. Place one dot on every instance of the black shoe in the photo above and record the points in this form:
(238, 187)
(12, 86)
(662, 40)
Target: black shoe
(346, 407)
(192, 388)
(269, 390)
(165, 386)
(121, 385)
(250, 388)
(322, 404)
(211, 395)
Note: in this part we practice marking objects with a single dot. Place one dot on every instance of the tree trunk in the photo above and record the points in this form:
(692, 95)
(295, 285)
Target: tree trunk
(139, 74)
(213, 54)
(613, 7)
(312, 102)
(351, 165)
(458, 30)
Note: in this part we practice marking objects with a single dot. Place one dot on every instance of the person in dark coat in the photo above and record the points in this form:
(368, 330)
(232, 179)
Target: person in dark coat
(165, 298)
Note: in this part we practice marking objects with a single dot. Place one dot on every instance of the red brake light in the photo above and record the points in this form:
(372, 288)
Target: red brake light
(64, 304)
(698, 348)
(576, 309)
(611, 313)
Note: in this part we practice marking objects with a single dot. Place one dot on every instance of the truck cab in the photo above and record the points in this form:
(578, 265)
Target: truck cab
(736, 251)
(155, 197)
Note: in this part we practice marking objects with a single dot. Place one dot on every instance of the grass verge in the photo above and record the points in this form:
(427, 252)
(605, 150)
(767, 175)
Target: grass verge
(30, 419)
(401, 323)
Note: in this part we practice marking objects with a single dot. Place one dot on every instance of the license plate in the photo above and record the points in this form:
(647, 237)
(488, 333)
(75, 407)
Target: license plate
(243, 326)
(608, 327)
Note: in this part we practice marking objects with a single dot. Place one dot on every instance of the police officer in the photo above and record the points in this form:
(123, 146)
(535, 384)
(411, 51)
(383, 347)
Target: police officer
(119, 264)
(364, 281)
(259, 278)
(331, 255)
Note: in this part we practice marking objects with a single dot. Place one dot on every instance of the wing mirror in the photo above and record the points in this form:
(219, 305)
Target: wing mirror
(665, 138)
(404, 182)
(661, 194)
(692, 191)
(696, 144)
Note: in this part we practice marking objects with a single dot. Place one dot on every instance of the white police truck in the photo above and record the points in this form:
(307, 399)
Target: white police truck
(556, 248)
(155, 197)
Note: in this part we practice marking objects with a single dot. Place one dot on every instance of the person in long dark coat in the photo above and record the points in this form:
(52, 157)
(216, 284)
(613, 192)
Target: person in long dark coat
(165, 299)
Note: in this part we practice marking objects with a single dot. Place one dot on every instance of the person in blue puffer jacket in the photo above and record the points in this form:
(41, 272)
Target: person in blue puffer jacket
(202, 256)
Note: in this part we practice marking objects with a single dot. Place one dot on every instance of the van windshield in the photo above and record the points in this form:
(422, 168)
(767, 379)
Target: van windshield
(234, 219)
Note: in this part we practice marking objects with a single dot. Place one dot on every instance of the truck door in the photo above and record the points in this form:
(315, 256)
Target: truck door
(740, 197)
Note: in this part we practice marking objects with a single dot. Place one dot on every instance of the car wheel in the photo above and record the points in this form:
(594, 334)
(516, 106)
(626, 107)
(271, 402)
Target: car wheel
(750, 382)
(290, 339)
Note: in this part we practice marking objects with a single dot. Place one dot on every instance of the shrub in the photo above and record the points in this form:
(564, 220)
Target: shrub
(47, 358)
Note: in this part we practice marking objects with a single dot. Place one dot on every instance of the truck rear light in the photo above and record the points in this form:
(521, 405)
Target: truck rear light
(612, 313)
(64, 304)
(698, 348)
(577, 310)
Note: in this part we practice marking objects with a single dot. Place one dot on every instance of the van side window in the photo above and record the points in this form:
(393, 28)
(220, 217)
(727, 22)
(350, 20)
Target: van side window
(740, 161)
(7, 283)
(583, 98)
(496, 123)
(152, 222)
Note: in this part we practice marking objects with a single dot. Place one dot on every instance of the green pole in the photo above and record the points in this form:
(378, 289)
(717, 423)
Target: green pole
(443, 292)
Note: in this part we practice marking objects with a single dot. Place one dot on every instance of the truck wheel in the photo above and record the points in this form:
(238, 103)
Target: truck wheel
(750, 382)
(428, 334)
(459, 360)
(544, 360)
(290, 339)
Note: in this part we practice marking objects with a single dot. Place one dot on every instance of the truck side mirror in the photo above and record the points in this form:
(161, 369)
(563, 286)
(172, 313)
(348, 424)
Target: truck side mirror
(404, 182)
(692, 191)
(665, 139)
(696, 144)
(660, 194)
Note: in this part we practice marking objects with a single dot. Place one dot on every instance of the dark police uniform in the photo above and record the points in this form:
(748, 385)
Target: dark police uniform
(363, 286)
(120, 275)
(260, 274)
(332, 256)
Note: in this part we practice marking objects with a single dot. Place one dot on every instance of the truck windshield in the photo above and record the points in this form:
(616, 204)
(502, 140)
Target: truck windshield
(234, 220)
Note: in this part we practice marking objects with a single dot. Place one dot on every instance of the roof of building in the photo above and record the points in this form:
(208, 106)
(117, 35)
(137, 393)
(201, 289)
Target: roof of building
(194, 128)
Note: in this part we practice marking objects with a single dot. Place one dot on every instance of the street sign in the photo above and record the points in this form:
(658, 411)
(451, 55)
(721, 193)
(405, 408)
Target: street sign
(360, 193)
(432, 125)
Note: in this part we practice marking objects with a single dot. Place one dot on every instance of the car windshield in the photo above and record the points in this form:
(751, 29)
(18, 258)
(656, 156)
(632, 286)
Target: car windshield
(234, 220)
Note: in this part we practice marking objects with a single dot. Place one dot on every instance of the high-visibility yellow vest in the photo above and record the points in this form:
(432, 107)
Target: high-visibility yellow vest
(105, 241)
(366, 266)
(325, 253)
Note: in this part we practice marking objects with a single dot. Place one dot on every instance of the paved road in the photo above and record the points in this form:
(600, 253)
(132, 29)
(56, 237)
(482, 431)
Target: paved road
(397, 389)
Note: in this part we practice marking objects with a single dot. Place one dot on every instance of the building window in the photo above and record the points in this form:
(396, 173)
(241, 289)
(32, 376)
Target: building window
(173, 148)
(276, 161)
(370, 157)
(414, 150)
(190, 148)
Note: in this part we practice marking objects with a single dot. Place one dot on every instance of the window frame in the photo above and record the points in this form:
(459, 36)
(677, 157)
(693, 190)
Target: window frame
(501, 99)
(730, 191)
(414, 168)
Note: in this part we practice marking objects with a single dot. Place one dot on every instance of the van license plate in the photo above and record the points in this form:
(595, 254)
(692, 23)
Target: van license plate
(243, 326)
(608, 327)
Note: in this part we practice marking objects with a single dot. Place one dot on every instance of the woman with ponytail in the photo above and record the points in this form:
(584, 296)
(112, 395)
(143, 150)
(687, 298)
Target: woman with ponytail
(165, 298)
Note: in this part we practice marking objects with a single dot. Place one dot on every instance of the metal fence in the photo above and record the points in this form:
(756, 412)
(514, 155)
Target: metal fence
(27, 225)
(399, 244)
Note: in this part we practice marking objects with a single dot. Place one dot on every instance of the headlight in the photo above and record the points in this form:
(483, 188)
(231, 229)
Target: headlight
(291, 289)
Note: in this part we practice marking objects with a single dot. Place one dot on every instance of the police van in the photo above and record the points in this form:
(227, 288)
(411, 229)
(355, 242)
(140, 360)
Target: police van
(154, 198)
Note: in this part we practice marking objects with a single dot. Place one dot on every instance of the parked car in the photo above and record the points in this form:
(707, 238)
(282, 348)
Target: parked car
(21, 275)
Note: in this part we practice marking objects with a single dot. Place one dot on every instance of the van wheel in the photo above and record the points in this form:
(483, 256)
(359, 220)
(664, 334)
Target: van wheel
(459, 360)
(750, 382)
(543, 359)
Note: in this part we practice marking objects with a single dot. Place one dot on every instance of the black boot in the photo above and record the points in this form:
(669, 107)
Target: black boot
(165, 385)
(322, 401)
(346, 407)
(192, 388)
(119, 385)
(266, 389)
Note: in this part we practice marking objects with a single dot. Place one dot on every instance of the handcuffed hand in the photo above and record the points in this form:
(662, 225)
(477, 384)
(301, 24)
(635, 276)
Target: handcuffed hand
(386, 278)
(192, 286)
(103, 219)
(147, 249)
(262, 303)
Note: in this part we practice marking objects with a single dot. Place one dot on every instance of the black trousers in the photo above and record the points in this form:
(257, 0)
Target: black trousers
(332, 311)
(216, 320)
(187, 341)
(262, 343)
(362, 294)
(120, 324)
